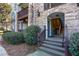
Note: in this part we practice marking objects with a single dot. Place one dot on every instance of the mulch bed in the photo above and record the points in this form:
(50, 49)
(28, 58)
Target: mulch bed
(19, 50)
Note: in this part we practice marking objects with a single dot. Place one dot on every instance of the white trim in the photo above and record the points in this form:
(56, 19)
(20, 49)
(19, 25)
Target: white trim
(15, 13)
(46, 29)
(50, 28)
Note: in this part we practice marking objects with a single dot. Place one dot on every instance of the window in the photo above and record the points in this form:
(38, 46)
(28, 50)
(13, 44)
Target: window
(77, 4)
(46, 6)
(51, 5)
(20, 25)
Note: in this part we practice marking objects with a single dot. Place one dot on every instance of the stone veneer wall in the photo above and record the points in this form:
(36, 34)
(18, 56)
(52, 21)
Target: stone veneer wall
(70, 10)
(34, 19)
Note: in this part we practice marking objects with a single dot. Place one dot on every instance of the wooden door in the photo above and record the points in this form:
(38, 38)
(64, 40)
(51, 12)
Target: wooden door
(56, 25)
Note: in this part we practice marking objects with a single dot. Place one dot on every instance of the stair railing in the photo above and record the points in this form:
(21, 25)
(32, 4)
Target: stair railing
(41, 36)
(65, 42)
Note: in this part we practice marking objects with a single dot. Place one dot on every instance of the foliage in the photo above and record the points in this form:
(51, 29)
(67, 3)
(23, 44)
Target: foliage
(7, 31)
(1, 28)
(74, 44)
(13, 37)
(23, 5)
(30, 34)
(5, 9)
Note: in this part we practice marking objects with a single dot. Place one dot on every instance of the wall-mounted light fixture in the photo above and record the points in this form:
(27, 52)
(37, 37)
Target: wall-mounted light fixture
(38, 13)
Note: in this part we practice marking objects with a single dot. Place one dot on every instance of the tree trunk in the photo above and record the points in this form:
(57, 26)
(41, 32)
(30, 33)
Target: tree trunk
(6, 26)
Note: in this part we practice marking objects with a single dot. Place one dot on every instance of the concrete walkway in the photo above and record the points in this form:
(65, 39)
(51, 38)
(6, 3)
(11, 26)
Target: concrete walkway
(2, 50)
(39, 53)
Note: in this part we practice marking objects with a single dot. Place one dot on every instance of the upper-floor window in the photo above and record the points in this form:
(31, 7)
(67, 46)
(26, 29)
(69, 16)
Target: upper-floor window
(51, 5)
(46, 6)
(77, 4)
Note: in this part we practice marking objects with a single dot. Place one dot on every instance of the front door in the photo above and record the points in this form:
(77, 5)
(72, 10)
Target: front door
(56, 27)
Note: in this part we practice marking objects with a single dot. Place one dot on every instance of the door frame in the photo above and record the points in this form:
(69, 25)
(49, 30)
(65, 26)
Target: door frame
(48, 22)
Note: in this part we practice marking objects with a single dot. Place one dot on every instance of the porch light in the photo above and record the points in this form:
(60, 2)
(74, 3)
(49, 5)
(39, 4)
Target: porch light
(38, 13)
(57, 16)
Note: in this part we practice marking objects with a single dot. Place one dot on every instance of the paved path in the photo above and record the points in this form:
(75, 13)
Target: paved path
(39, 53)
(2, 50)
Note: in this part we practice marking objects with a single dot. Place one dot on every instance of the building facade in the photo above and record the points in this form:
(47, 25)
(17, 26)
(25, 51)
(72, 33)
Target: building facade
(22, 19)
(57, 18)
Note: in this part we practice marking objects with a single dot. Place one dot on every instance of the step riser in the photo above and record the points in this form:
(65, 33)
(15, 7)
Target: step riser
(54, 41)
(53, 54)
(59, 39)
(49, 52)
(52, 48)
(59, 45)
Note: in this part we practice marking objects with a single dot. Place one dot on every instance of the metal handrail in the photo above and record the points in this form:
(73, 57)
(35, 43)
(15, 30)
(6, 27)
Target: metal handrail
(41, 37)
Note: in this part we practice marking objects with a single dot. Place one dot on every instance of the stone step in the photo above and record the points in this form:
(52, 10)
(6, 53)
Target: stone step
(54, 40)
(51, 51)
(53, 47)
(53, 43)
(57, 38)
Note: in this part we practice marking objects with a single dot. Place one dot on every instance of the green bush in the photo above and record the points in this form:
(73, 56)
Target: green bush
(74, 44)
(7, 31)
(13, 37)
(1, 28)
(30, 34)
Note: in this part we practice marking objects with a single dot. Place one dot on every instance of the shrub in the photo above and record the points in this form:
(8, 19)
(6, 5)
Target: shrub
(13, 37)
(30, 34)
(74, 44)
(7, 31)
(1, 28)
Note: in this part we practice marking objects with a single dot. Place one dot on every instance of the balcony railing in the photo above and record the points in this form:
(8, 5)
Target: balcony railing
(23, 13)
